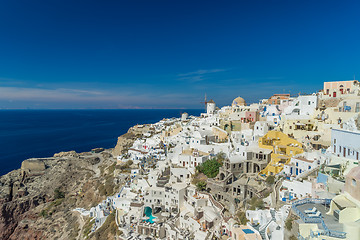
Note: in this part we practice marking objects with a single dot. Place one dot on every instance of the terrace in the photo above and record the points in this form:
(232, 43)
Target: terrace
(328, 225)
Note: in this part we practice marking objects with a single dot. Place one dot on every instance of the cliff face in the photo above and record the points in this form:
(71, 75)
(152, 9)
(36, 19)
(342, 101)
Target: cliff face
(12, 213)
(37, 202)
(125, 141)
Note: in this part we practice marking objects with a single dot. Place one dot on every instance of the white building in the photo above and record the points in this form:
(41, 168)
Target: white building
(302, 105)
(345, 143)
(192, 158)
(261, 128)
(295, 189)
(303, 163)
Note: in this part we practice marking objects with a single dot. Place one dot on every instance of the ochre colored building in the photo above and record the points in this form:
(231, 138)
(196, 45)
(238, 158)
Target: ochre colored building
(283, 148)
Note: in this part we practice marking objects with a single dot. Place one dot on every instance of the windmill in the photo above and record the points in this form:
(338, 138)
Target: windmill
(205, 101)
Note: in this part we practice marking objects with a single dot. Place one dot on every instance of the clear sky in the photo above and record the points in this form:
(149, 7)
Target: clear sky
(168, 54)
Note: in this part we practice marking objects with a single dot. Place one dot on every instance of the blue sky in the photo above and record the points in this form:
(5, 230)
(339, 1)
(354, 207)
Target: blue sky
(168, 54)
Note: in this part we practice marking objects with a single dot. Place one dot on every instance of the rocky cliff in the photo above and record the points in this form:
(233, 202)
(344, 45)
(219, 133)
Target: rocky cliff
(37, 201)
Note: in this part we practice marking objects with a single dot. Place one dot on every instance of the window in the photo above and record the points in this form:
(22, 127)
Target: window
(309, 102)
(334, 140)
(353, 182)
(357, 108)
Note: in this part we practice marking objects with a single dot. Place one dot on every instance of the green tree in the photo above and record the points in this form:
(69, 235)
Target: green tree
(210, 168)
(201, 185)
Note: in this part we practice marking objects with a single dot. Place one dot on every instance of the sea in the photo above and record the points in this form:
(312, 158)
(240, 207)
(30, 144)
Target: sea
(42, 133)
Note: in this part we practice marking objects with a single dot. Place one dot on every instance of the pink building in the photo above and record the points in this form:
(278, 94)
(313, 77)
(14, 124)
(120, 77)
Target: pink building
(334, 89)
(251, 116)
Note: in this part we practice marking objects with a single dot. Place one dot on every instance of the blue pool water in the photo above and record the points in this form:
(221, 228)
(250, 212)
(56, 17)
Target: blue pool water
(148, 213)
(248, 231)
(41, 133)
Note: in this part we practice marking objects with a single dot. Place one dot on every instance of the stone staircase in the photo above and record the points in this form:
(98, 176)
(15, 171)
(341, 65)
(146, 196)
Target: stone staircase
(262, 230)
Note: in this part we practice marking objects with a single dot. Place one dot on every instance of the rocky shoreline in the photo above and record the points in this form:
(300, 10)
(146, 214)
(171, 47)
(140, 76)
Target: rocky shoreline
(36, 201)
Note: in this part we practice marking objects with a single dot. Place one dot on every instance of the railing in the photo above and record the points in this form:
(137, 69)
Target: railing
(301, 237)
(327, 231)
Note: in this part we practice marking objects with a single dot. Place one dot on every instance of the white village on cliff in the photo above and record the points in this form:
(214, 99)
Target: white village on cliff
(283, 168)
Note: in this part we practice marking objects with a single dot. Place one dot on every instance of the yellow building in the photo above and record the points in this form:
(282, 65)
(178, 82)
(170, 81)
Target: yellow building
(283, 148)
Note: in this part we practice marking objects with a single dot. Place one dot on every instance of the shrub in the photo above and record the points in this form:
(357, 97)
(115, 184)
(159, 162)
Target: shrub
(242, 217)
(288, 224)
(220, 157)
(270, 180)
(256, 203)
(293, 237)
(58, 194)
(210, 168)
(201, 185)
(44, 213)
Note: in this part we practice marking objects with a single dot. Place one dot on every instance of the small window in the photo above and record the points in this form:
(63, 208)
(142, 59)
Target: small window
(334, 140)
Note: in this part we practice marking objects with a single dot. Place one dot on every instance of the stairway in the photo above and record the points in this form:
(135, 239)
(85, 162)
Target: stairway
(263, 229)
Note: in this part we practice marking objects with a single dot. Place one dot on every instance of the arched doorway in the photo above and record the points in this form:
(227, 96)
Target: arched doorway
(222, 176)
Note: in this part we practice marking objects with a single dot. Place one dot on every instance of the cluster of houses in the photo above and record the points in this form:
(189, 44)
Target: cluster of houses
(309, 145)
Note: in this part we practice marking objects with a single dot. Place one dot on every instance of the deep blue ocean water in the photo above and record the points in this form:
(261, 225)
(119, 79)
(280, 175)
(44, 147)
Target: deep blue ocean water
(41, 133)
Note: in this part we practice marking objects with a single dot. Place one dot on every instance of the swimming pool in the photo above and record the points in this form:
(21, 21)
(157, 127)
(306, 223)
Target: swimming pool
(148, 213)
